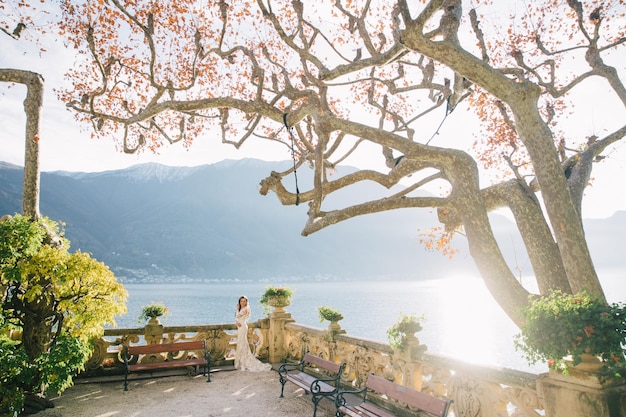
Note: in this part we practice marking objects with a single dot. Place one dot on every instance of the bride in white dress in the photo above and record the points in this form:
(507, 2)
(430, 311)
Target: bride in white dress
(244, 359)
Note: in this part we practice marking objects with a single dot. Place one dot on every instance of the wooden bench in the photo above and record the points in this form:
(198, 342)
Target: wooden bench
(318, 387)
(356, 403)
(179, 355)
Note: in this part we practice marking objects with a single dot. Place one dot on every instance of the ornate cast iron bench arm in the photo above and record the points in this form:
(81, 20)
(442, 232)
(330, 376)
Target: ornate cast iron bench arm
(318, 387)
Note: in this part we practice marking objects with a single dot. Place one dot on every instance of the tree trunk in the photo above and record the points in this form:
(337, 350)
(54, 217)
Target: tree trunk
(32, 107)
(37, 331)
(564, 217)
(500, 281)
(34, 403)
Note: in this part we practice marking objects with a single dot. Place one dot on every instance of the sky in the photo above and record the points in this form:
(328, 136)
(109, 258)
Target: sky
(67, 146)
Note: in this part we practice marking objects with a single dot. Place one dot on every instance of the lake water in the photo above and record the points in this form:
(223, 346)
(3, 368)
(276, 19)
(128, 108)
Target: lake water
(462, 319)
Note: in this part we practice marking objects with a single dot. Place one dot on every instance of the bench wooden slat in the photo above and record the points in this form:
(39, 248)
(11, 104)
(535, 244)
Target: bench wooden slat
(301, 381)
(165, 347)
(407, 395)
(322, 363)
(372, 410)
(305, 381)
(364, 410)
(353, 412)
(166, 365)
(158, 349)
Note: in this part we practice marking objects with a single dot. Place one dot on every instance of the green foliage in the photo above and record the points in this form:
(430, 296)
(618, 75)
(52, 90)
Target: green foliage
(57, 300)
(561, 325)
(20, 239)
(53, 369)
(328, 313)
(271, 292)
(153, 310)
(15, 373)
(406, 325)
(64, 360)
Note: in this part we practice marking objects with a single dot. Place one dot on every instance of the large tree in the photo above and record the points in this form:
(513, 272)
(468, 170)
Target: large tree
(333, 79)
(52, 304)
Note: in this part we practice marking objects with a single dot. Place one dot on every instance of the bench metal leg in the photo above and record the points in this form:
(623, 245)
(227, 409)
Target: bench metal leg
(315, 401)
(208, 367)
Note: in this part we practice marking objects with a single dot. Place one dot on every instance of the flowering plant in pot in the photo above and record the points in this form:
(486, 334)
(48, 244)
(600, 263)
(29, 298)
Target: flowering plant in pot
(404, 329)
(276, 297)
(330, 314)
(564, 330)
(153, 311)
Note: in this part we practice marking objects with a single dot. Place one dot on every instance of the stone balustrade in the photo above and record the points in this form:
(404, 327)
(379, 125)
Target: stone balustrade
(221, 341)
(477, 391)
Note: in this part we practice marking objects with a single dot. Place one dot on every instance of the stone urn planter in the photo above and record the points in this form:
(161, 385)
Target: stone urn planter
(276, 297)
(153, 330)
(335, 327)
(333, 316)
(589, 363)
(279, 303)
(402, 333)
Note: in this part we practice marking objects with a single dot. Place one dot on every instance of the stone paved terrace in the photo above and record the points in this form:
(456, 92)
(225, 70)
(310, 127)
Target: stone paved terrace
(229, 394)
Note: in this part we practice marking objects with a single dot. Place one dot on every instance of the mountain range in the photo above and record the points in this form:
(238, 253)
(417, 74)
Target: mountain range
(152, 222)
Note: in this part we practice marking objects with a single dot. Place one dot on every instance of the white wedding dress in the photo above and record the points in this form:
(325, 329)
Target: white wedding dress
(244, 359)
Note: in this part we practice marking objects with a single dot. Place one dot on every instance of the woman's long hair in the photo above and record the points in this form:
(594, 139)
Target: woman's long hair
(243, 297)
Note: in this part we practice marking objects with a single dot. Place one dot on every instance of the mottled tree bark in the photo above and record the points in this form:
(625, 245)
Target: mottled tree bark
(33, 104)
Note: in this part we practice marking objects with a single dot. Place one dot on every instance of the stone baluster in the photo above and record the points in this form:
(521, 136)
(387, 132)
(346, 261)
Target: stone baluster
(153, 332)
(412, 375)
(276, 343)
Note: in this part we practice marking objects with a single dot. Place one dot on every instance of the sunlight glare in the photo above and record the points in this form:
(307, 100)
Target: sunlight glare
(466, 321)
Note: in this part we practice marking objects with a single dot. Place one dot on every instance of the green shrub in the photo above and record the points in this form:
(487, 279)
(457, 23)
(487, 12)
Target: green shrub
(560, 327)
(152, 311)
(406, 325)
(271, 292)
(328, 313)
(56, 301)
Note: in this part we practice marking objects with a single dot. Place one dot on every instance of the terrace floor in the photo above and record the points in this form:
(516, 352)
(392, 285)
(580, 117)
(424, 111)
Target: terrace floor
(230, 394)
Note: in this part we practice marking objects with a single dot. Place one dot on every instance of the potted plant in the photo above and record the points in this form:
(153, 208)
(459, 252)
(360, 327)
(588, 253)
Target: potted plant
(404, 330)
(333, 316)
(566, 330)
(277, 297)
(330, 314)
(153, 311)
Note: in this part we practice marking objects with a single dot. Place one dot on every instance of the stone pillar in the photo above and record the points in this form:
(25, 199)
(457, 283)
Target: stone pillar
(277, 350)
(582, 394)
(412, 375)
(335, 328)
(153, 332)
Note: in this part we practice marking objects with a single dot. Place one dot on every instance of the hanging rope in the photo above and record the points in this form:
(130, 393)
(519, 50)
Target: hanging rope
(448, 112)
(293, 156)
